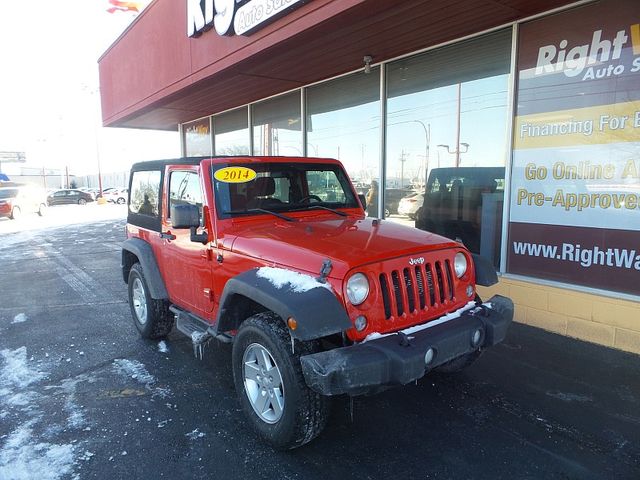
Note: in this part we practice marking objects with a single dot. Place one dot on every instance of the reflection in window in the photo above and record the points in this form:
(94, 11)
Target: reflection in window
(145, 189)
(231, 133)
(343, 122)
(276, 126)
(447, 109)
(184, 189)
(197, 138)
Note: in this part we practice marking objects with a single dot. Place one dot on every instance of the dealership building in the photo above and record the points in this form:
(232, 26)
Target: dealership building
(542, 98)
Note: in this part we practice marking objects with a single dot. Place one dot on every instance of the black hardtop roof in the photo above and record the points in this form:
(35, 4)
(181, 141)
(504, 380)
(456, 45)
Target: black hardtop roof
(161, 164)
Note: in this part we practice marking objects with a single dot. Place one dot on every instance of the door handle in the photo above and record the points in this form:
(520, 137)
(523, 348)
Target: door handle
(167, 236)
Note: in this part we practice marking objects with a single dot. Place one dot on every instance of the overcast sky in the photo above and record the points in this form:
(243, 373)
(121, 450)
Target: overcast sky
(49, 97)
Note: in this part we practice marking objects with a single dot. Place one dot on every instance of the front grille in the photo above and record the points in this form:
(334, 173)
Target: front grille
(419, 287)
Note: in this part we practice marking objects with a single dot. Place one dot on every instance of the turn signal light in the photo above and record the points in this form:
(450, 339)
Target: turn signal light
(292, 323)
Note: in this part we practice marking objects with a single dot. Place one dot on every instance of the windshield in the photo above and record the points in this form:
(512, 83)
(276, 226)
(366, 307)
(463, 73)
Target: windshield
(242, 189)
(8, 192)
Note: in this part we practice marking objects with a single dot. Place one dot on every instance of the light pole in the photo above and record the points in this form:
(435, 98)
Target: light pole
(427, 138)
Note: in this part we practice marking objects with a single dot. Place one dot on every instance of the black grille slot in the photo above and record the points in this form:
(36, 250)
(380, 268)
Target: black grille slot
(447, 268)
(440, 279)
(411, 296)
(395, 278)
(386, 299)
(430, 285)
(420, 282)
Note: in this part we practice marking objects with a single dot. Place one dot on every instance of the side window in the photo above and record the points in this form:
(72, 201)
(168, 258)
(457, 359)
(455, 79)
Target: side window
(145, 189)
(184, 188)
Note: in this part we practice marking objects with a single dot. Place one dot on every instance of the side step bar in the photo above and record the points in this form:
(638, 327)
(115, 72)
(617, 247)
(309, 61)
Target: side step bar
(198, 330)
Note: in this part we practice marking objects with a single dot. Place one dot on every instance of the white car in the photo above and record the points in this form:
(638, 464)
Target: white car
(410, 204)
(115, 195)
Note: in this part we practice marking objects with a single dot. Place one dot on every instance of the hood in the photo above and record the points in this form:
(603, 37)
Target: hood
(348, 242)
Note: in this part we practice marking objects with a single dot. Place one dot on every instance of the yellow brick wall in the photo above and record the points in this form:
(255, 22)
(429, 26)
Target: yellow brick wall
(593, 318)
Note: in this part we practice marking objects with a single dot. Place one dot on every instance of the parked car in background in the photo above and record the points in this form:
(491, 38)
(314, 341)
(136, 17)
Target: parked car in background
(410, 204)
(69, 196)
(114, 195)
(16, 199)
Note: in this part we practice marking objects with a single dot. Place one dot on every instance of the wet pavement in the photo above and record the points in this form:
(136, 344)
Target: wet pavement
(83, 396)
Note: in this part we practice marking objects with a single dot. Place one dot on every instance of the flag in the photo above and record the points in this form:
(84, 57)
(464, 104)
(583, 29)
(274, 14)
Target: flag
(118, 6)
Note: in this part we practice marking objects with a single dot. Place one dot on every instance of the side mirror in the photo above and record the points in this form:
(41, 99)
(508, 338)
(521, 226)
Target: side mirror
(188, 216)
(185, 216)
(363, 200)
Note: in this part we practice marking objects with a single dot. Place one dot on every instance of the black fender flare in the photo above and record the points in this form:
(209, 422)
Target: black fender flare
(485, 271)
(318, 311)
(143, 251)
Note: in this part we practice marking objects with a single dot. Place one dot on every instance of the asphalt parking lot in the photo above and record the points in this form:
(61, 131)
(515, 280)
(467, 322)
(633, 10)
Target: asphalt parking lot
(83, 396)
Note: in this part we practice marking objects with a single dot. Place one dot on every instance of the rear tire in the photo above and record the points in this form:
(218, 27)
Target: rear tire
(270, 385)
(15, 213)
(42, 209)
(151, 317)
(121, 201)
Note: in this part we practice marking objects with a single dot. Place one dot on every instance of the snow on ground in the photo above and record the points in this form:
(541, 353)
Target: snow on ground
(22, 455)
(298, 282)
(16, 372)
(162, 347)
(61, 215)
(20, 318)
(136, 370)
(195, 434)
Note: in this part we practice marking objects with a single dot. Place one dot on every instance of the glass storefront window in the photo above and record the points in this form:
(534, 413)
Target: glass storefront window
(197, 138)
(447, 110)
(231, 133)
(277, 126)
(343, 122)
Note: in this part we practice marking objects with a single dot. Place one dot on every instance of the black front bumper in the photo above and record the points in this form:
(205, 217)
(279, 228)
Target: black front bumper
(399, 359)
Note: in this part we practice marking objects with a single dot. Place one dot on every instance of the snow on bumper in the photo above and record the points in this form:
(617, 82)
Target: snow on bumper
(399, 359)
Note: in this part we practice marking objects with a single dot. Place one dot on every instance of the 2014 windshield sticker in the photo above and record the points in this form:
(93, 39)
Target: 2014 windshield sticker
(235, 175)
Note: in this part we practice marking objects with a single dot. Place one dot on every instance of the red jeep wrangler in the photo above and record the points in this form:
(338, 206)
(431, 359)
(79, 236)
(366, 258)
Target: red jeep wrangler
(276, 255)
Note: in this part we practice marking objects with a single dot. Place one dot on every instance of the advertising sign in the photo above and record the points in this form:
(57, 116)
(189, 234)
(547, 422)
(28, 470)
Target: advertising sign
(245, 16)
(575, 195)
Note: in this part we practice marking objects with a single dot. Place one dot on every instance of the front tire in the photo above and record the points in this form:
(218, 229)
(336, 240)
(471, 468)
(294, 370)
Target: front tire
(42, 209)
(151, 317)
(82, 201)
(270, 384)
(15, 213)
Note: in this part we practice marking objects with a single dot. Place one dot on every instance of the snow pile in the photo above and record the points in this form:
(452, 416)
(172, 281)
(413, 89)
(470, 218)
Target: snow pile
(20, 318)
(162, 347)
(22, 458)
(298, 282)
(408, 331)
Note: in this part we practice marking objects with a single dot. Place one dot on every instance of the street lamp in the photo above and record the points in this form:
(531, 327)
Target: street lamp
(456, 151)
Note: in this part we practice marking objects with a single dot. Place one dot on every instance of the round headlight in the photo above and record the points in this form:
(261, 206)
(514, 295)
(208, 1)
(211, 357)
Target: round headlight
(357, 289)
(460, 264)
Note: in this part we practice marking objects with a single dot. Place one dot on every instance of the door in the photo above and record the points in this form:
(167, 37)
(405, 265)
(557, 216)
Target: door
(59, 197)
(189, 282)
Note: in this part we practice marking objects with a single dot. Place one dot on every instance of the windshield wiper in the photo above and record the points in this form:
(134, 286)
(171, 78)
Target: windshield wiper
(322, 207)
(258, 210)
